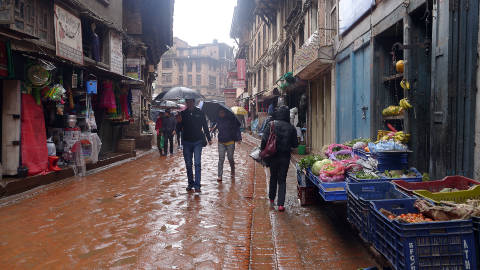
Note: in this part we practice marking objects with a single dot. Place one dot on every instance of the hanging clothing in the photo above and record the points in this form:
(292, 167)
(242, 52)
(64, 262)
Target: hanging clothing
(108, 99)
(34, 138)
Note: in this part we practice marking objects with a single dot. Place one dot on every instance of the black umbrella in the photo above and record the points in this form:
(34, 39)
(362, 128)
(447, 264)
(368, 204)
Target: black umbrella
(211, 109)
(177, 93)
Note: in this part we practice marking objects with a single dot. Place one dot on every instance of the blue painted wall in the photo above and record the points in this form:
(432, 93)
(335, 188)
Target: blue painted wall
(353, 86)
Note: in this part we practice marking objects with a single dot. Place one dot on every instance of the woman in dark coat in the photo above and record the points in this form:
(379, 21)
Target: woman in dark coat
(286, 140)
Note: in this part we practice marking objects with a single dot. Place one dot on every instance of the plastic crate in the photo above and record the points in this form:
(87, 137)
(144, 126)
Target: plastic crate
(352, 179)
(418, 177)
(391, 160)
(307, 195)
(358, 203)
(362, 153)
(476, 234)
(456, 196)
(428, 245)
(334, 191)
(458, 182)
(301, 178)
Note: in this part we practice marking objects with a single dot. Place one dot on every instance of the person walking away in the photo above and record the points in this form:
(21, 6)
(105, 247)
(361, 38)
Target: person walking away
(286, 139)
(193, 138)
(168, 130)
(228, 133)
(178, 130)
(158, 128)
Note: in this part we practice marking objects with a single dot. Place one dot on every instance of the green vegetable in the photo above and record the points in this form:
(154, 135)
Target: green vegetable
(318, 165)
(352, 142)
(307, 162)
(365, 175)
(343, 157)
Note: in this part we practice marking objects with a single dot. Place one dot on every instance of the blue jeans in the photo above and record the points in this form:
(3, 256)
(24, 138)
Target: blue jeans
(190, 149)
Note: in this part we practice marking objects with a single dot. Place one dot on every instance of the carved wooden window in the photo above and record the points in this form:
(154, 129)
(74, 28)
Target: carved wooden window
(44, 22)
(24, 13)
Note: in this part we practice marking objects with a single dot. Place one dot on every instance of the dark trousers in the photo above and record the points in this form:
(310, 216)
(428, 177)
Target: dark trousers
(168, 139)
(278, 176)
(179, 137)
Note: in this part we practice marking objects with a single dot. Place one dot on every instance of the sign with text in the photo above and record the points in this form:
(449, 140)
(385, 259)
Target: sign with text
(133, 68)
(239, 84)
(241, 68)
(68, 35)
(116, 53)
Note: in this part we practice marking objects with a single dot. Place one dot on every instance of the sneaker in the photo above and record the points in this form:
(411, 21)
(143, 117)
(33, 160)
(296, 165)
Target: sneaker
(197, 190)
(189, 189)
(281, 208)
(219, 179)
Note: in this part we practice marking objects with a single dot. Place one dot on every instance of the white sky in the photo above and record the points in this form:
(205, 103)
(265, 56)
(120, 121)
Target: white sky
(202, 21)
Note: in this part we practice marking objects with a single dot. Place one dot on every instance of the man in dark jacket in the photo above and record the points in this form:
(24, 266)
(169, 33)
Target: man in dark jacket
(192, 121)
(228, 133)
(168, 130)
(286, 139)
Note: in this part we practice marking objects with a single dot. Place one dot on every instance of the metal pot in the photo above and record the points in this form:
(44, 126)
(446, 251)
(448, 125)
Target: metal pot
(71, 121)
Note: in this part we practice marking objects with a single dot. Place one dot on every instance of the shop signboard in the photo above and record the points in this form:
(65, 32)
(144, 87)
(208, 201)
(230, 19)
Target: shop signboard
(241, 68)
(136, 102)
(116, 53)
(352, 10)
(133, 68)
(239, 84)
(68, 35)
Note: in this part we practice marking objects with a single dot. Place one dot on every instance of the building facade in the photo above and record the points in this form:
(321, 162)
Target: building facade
(204, 68)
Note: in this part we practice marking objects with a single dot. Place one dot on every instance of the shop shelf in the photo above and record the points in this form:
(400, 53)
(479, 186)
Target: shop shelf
(359, 197)
(458, 182)
(428, 245)
(455, 196)
(330, 191)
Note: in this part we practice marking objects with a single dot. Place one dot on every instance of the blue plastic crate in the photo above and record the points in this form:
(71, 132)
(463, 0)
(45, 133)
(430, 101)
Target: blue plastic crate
(391, 160)
(302, 179)
(476, 233)
(418, 177)
(428, 245)
(361, 153)
(352, 179)
(359, 197)
(325, 191)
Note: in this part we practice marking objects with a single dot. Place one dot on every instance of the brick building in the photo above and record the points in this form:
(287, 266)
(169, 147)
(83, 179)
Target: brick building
(204, 68)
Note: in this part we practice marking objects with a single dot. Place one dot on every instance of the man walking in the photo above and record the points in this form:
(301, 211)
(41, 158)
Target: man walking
(168, 130)
(193, 138)
(228, 134)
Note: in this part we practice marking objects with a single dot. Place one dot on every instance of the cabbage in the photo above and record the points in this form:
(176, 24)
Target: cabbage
(317, 166)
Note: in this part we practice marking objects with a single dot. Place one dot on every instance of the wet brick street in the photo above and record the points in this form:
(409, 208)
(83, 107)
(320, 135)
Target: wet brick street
(139, 216)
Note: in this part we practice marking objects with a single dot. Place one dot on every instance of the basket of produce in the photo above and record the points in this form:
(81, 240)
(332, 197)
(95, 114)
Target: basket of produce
(447, 184)
(330, 191)
(333, 148)
(398, 136)
(364, 176)
(411, 175)
(460, 196)
(359, 196)
(332, 172)
(413, 234)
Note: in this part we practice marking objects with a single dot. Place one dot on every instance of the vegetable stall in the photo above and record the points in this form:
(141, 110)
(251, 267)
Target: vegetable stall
(414, 223)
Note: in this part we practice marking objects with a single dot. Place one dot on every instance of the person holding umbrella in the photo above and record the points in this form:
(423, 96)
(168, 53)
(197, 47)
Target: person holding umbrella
(192, 121)
(168, 130)
(228, 133)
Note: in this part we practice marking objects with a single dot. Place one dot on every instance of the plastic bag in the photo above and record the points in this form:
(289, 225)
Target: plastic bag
(162, 142)
(255, 154)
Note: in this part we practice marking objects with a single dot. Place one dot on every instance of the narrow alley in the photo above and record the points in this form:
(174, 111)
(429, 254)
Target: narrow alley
(138, 216)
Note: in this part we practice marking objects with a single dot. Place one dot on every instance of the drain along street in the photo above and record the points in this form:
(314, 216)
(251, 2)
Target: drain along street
(239, 134)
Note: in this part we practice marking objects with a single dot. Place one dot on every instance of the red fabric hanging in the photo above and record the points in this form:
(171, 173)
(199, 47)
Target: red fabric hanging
(108, 98)
(34, 138)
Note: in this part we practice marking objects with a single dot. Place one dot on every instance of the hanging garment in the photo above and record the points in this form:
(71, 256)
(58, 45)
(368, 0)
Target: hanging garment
(95, 47)
(34, 146)
(130, 100)
(108, 99)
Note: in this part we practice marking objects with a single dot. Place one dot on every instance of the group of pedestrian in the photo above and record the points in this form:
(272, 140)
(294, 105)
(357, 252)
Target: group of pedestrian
(167, 126)
(193, 134)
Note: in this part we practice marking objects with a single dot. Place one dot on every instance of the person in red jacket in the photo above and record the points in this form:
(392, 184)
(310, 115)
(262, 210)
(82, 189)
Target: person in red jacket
(158, 128)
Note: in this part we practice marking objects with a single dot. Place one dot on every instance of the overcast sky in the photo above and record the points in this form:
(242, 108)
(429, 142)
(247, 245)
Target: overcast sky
(202, 21)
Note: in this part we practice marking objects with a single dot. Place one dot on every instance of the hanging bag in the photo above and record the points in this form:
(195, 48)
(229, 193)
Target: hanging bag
(271, 146)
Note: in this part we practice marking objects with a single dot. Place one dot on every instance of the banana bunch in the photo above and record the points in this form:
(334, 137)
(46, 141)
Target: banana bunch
(399, 136)
(393, 110)
(405, 104)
